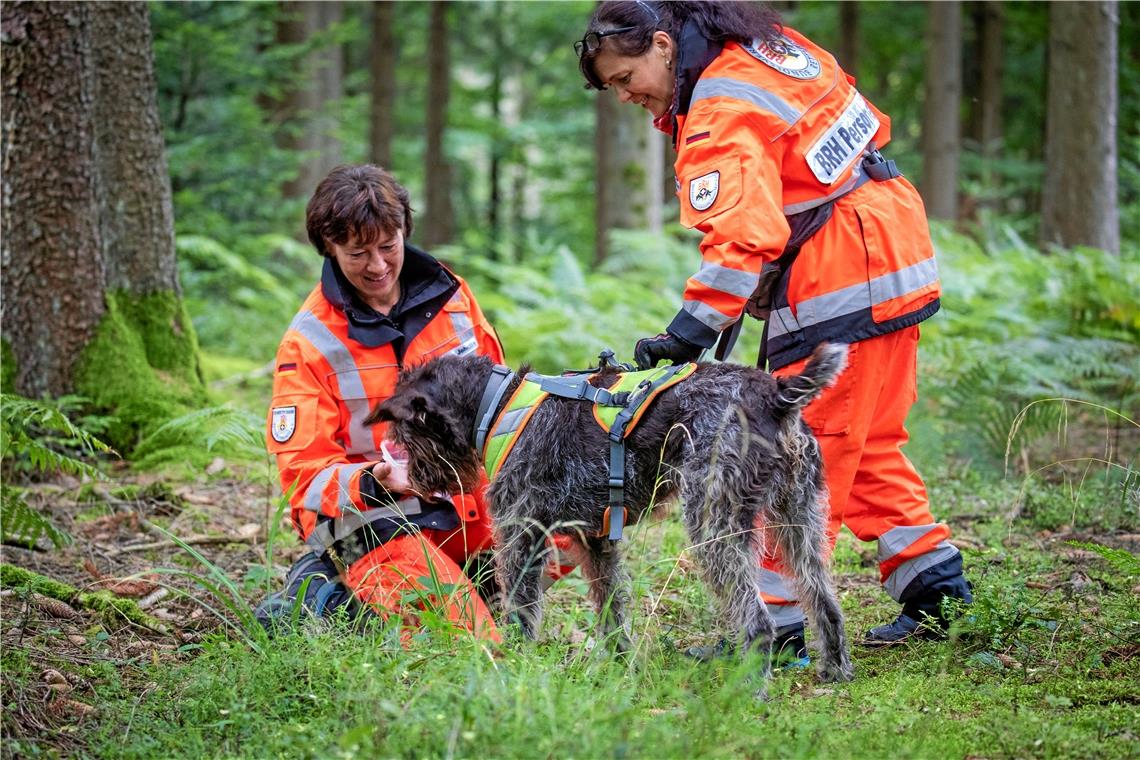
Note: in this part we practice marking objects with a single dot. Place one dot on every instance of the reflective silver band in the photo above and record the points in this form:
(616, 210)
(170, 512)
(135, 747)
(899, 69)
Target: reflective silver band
(857, 179)
(314, 494)
(774, 584)
(732, 281)
(339, 528)
(853, 298)
(727, 87)
(897, 581)
(707, 315)
(347, 376)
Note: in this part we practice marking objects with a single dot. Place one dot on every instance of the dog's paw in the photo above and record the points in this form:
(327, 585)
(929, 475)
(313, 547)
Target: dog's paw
(836, 672)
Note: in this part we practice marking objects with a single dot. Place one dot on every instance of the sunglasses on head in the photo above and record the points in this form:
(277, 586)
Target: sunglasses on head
(593, 40)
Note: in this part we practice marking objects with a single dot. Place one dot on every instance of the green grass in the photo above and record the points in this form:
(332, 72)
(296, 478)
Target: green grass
(1044, 665)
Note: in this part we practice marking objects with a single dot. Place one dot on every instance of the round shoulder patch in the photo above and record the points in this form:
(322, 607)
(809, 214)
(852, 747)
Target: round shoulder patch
(785, 57)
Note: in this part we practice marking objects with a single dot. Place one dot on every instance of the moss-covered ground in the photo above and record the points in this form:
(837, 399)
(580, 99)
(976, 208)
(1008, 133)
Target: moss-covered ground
(1046, 663)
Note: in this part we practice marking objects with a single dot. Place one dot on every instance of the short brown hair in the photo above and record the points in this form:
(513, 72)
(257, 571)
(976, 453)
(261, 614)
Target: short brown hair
(361, 202)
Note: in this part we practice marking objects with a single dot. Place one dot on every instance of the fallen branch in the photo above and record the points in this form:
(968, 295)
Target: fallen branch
(195, 540)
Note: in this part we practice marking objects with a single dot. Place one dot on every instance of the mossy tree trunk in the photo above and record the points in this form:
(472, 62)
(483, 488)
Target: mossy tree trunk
(91, 294)
(52, 262)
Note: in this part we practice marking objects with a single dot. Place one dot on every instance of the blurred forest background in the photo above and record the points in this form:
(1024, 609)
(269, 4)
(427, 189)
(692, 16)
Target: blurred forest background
(1019, 122)
(157, 159)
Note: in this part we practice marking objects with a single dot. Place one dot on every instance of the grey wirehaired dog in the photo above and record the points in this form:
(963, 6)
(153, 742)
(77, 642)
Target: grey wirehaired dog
(728, 439)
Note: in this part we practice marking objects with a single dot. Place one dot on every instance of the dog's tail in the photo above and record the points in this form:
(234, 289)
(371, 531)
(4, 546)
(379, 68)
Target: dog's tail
(825, 364)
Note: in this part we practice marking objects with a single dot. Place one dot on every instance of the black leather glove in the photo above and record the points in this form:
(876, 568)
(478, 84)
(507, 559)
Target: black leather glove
(649, 351)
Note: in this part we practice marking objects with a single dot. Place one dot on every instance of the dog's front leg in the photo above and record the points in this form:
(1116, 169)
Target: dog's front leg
(519, 562)
(609, 589)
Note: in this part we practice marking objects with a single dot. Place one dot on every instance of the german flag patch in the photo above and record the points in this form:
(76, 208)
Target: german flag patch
(698, 137)
(287, 369)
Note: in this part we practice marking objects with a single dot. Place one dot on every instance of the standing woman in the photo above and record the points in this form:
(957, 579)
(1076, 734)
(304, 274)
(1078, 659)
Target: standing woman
(808, 227)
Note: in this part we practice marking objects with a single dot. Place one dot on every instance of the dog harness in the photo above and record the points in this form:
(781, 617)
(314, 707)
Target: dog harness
(617, 409)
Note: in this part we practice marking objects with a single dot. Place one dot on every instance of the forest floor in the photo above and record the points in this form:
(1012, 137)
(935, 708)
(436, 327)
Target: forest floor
(1047, 663)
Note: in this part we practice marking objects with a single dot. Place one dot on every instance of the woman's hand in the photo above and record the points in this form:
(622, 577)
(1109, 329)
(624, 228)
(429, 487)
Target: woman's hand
(392, 475)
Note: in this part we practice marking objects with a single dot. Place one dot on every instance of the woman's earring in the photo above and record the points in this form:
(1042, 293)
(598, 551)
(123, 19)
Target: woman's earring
(668, 63)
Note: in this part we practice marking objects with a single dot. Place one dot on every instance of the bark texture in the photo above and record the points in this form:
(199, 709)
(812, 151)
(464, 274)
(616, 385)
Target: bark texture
(941, 128)
(52, 248)
(321, 80)
(439, 215)
(1079, 199)
(382, 69)
(627, 183)
(136, 213)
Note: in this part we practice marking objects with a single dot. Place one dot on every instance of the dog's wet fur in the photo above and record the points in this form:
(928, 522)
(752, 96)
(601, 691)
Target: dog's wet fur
(729, 440)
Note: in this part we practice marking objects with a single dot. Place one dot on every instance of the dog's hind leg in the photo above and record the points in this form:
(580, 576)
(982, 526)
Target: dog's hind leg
(720, 522)
(800, 535)
(519, 563)
(609, 589)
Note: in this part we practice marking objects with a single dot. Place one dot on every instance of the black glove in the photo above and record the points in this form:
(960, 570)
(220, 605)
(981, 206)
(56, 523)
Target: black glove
(649, 351)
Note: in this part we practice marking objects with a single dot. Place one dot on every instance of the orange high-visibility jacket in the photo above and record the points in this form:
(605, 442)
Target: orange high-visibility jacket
(326, 383)
(773, 132)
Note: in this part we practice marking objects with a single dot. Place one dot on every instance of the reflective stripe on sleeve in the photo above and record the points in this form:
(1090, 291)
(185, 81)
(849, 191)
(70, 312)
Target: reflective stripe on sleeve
(707, 315)
(727, 87)
(314, 494)
(347, 376)
(732, 281)
(853, 298)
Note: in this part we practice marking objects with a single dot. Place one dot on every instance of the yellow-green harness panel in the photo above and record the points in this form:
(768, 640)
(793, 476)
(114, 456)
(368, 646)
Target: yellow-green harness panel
(617, 409)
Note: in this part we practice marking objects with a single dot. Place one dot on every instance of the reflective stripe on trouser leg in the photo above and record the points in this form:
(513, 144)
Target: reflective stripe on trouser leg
(887, 500)
(906, 551)
(386, 576)
(780, 598)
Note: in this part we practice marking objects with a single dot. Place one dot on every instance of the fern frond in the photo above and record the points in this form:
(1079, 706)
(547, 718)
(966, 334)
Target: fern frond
(22, 525)
(220, 428)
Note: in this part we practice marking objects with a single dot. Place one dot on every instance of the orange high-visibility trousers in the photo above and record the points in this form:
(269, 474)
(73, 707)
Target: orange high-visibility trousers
(873, 488)
(422, 570)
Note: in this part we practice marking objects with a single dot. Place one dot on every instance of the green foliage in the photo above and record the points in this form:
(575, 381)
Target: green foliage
(552, 312)
(37, 438)
(1019, 327)
(258, 284)
(142, 365)
(193, 439)
(1126, 564)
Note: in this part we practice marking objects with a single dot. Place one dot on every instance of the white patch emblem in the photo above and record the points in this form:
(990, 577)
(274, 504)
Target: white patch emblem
(284, 422)
(843, 142)
(785, 57)
(703, 190)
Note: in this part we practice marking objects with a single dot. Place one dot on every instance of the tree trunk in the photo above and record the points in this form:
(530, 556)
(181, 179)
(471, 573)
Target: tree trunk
(941, 126)
(439, 222)
(136, 215)
(849, 36)
(321, 80)
(382, 60)
(52, 250)
(1079, 203)
(624, 191)
(91, 301)
(985, 77)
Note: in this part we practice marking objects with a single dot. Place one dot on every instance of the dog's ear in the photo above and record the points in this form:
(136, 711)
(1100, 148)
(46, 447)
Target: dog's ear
(400, 408)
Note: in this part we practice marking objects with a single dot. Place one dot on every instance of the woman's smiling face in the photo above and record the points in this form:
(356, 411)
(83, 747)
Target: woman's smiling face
(373, 268)
(645, 80)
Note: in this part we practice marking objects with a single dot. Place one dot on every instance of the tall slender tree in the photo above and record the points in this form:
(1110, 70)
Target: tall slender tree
(626, 186)
(1079, 198)
(941, 127)
(439, 215)
(382, 69)
(91, 297)
(319, 81)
